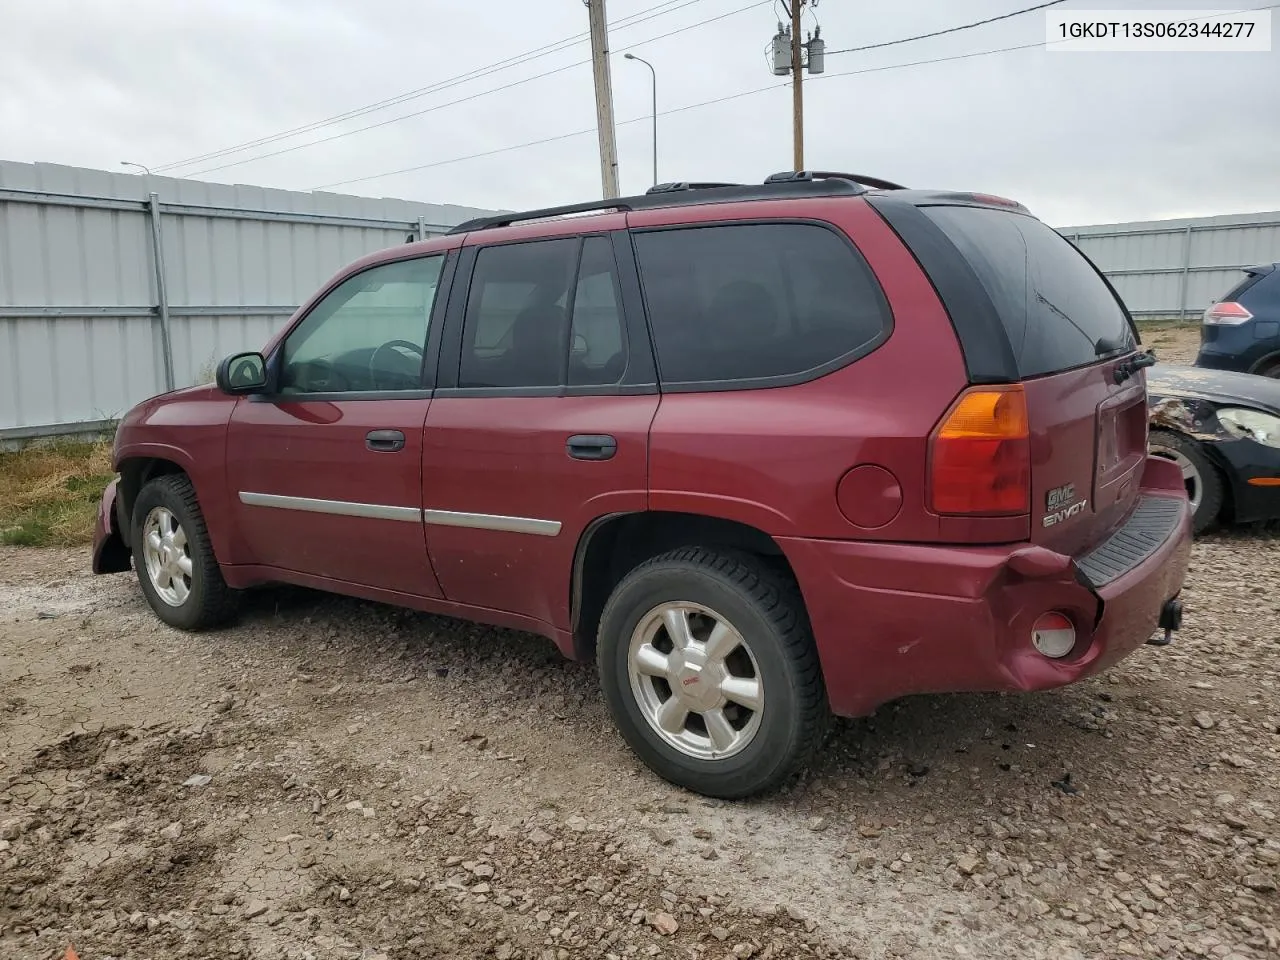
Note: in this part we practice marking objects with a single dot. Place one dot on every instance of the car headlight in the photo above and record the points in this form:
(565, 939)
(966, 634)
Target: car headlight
(1259, 426)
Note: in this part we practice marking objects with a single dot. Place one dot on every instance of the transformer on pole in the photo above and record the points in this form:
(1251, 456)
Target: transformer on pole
(788, 55)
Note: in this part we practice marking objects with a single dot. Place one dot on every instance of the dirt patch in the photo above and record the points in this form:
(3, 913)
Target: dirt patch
(331, 778)
(1173, 341)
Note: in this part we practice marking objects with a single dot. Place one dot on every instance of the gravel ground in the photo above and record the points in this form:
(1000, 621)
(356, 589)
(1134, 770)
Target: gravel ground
(333, 778)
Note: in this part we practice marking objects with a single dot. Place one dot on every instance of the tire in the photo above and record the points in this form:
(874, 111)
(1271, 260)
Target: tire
(1270, 369)
(765, 617)
(189, 599)
(1204, 481)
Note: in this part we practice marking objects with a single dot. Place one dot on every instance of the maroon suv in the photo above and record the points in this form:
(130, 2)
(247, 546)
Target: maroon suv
(765, 452)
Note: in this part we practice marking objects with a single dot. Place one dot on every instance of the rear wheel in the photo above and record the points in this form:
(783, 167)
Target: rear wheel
(1270, 369)
(1203, 481)
(174, 559)
(710, 672)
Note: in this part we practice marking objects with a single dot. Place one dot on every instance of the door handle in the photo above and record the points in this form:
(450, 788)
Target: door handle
(591, 446)
(384, 441)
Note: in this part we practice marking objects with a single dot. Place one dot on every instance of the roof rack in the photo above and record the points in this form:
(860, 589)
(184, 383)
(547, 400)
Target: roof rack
(801, 183)
(790, 176)
(681, 185)
(507, 219)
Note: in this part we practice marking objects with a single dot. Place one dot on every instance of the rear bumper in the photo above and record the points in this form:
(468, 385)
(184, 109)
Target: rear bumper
(110, 551)
(897, 619)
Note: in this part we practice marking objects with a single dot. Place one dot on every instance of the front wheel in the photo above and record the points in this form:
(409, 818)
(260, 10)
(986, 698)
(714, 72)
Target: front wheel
(173, 557)
(710, 672)
(1203, 481)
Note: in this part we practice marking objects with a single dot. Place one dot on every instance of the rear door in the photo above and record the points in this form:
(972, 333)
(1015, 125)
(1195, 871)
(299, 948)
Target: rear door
(541, 421)
(1066, 332)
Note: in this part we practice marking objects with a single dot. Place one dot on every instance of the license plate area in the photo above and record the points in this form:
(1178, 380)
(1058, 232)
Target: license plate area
(1121, 445)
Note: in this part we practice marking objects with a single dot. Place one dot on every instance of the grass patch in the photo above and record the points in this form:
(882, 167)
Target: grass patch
(49, 492)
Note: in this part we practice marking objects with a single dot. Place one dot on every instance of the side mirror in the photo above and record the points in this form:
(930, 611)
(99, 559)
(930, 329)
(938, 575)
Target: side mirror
(242, 373)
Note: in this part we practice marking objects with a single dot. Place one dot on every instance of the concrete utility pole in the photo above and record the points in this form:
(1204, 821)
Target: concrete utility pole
(797, 88)
(604, 97)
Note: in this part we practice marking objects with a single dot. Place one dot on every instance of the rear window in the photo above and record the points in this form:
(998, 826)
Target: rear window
(752, 302)
(1238, 291)
(1057, 310)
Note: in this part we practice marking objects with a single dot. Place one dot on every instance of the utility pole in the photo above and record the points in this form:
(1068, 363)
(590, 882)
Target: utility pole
(789, 56)
(797, 88)
(604, 97)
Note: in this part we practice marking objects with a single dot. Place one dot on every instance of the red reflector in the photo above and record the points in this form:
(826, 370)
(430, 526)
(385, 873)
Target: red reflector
(980, 454)
(1053, 635)
(1226, 314)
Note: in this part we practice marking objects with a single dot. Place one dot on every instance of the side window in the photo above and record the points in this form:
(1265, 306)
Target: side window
(598, 347)
(742, 302)
(517, 319)
(369, 333)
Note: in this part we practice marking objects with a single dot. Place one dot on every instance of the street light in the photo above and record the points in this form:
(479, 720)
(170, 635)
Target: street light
(632, 56)
(129, 163)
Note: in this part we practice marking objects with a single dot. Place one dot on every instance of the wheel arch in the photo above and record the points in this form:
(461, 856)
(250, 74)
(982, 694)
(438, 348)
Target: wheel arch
(1270, 359)
(1226, 475)
(136, 470)
(614, 544)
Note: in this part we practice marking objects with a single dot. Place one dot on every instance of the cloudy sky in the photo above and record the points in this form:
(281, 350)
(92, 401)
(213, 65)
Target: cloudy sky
(1081, 138)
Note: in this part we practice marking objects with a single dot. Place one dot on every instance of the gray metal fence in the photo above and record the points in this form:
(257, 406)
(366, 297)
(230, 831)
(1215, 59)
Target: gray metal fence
(1176, 268)
(115, 287)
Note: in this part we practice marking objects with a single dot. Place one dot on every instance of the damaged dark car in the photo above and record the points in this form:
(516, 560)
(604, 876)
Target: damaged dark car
(1223, 430)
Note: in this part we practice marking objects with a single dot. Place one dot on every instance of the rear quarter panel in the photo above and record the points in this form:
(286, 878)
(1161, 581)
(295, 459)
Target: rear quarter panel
(773, 458)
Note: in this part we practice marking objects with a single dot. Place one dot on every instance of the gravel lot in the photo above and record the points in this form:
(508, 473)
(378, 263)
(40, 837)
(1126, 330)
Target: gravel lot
(382, 783)
(332, 778)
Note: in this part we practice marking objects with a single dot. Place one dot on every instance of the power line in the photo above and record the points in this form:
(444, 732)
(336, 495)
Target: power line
(955, 29)
(1020, 46)
(450, 103)
(718, 100)
(388, 122)
(562, 136)
(558, 46)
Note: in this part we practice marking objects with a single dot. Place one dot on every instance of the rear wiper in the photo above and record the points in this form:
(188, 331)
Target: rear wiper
(1127, 368)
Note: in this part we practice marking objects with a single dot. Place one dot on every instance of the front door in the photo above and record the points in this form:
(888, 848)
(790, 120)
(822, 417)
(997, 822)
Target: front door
(544, 426)
(326, 473)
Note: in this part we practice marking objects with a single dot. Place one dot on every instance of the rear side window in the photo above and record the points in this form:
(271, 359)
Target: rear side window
(517, 324)
(756, 301)
(1249, 281)
(598, 346)
(1057, 310)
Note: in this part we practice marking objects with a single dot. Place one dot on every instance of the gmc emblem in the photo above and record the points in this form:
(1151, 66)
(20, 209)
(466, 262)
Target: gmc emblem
(1059, 497)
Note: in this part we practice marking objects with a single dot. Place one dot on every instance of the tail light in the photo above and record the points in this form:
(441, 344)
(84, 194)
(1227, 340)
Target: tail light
(1226, 314)
(980, 454)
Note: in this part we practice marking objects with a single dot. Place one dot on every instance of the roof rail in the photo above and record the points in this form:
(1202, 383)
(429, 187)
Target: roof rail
(681, 185)
(682, 193)
(874, 182)
(506, 219)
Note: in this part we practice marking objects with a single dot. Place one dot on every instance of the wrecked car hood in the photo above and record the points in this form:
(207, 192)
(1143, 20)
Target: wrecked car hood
(1220, 386)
